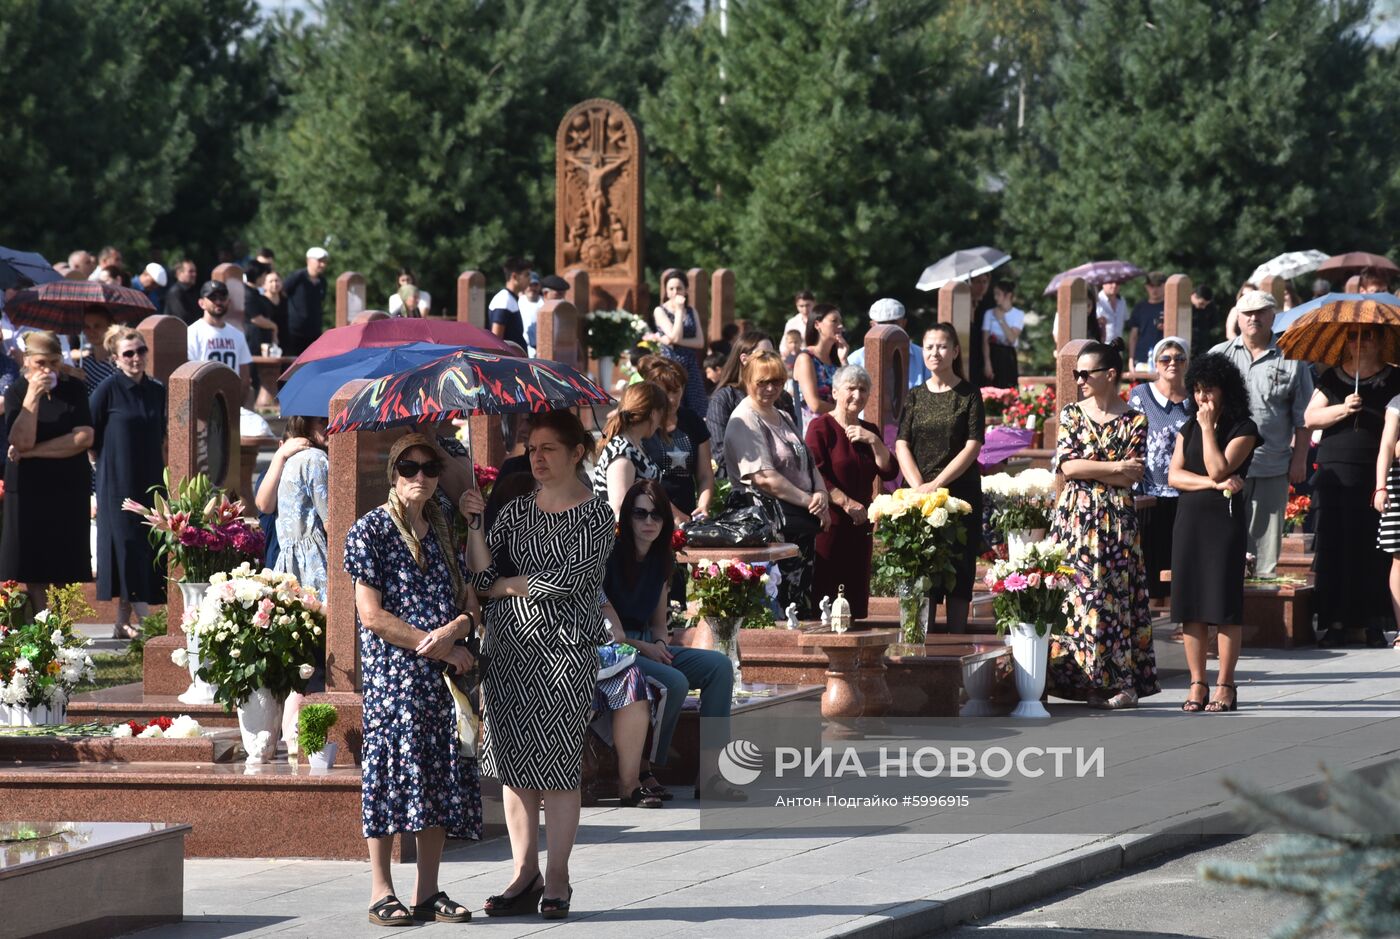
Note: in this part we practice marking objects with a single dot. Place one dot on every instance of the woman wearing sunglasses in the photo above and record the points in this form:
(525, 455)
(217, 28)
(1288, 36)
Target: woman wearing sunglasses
(412, 606)
(48, 479)
(1105, 655)
(1164, 403)
(128, 421)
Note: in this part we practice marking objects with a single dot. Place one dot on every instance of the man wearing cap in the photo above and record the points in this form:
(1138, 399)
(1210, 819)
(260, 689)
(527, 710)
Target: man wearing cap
(306, 300)
(151, 282)
(1279, 391)
(530, 302)
(1145, 323)
(211, 339)
(890, 312)
(552, 287)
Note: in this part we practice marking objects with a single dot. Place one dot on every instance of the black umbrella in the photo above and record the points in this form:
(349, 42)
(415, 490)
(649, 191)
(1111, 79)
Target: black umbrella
(22, 268)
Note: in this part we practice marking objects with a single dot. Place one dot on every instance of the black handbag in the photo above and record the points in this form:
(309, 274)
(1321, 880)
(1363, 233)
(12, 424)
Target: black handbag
(746, 522)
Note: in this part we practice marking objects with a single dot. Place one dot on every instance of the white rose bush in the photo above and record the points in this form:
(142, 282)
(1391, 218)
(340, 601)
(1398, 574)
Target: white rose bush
(612, 332)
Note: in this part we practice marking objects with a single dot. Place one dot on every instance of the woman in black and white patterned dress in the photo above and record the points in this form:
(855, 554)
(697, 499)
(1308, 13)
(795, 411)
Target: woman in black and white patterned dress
(543, 627)
(623, 459)
(1386, 500)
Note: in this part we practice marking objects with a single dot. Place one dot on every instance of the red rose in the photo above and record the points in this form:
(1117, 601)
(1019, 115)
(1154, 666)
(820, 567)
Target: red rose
(677, 540)
(736, 576)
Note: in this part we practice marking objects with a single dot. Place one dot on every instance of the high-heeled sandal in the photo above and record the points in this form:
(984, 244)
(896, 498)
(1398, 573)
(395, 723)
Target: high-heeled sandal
(1219, 707)
(526, 901)
(556, 907)
(1191, 705)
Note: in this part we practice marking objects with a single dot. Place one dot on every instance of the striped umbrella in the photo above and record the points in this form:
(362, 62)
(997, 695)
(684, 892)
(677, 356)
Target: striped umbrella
(1323, 332)
(1096, 274)
(60, 305)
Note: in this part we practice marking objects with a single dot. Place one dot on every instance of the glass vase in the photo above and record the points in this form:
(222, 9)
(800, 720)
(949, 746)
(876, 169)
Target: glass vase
(913, 610)
(726, 632)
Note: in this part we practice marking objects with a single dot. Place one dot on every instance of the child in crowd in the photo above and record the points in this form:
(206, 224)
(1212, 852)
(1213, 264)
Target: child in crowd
(714, 366)
(792, 345)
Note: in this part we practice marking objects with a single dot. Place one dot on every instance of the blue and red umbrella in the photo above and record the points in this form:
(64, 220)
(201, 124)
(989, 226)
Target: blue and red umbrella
(464, 383)
(399, 331)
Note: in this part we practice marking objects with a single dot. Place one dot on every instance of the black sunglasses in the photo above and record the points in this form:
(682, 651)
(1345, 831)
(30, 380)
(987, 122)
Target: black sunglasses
(410, 468)
(1082, 374)
(134, 353)
(1169, 359)
(640, 514)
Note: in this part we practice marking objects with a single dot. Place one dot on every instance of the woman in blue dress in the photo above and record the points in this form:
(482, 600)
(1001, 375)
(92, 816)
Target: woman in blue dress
(128, 439)
(413, 607)
(681, 338)
(302, 507)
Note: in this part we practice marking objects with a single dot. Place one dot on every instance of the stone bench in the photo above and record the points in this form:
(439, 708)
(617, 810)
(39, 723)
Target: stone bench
(91, 879)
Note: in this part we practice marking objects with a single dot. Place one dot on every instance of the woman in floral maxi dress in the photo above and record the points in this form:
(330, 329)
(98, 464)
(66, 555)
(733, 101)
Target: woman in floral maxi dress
(1105, 655)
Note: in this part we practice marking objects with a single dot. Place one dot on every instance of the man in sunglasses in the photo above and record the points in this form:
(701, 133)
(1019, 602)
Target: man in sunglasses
(210, 338)
(1279, 392)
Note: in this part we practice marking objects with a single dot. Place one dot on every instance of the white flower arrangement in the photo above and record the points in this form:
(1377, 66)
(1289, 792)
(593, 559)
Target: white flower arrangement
(611, 332)
(1021, 502)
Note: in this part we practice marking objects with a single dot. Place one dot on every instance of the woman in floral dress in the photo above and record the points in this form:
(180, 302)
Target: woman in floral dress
(1105, 655)
(410, 598)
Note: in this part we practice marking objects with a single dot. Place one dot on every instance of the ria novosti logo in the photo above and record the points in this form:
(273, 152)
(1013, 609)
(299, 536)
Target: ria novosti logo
(740, 762)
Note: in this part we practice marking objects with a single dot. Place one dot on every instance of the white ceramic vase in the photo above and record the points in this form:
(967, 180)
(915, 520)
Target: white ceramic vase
(199, 691)
(260, 725)
(1023, 536)
(1031, 654)
(324, 758)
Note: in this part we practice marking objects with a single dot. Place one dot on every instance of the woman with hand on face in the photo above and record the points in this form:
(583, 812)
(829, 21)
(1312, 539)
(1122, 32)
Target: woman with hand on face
(764, 450)
(48, 480)
(681, 338)
(128, 446)
(543, 627)
(852, 458)
(941, 432)
(413, 607)
(825, 352)
(1105, 655)
(1211, 460)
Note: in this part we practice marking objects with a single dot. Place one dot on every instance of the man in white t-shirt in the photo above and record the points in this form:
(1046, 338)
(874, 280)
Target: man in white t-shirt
(211, 339)
(804, 301)
(1112, 312)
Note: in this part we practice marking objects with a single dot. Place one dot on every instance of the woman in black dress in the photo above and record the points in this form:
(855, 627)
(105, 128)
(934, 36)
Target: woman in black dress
(941, 432)
(48, 478)
(1348, 406)
(128, 422)
(1213, 450)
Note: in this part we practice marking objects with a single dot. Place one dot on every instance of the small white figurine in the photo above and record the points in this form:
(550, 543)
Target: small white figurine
(263, 748)
(825, 607)
(791, 612)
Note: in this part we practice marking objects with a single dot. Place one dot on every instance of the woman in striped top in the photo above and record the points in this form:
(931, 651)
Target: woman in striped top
(1386, 500)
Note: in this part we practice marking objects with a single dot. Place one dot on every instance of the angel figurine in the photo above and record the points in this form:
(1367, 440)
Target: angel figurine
(791, 612)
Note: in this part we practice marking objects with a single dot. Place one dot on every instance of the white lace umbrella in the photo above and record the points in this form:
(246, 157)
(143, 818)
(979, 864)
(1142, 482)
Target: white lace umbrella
(1289, 265)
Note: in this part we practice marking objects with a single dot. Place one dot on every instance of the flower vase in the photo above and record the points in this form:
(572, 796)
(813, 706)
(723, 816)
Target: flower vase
(199, 691)
(1017, 538)
(1030, 652)
(725, 629)
(324, 758)
(913, 610)
(21, 715)
(605, 373)
(260, 725)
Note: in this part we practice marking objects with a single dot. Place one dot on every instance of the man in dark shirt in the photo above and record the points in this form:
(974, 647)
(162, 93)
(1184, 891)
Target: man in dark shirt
(1145, 322)
(504, 312)
(1206, 328)
(306, 298)
(181, 298)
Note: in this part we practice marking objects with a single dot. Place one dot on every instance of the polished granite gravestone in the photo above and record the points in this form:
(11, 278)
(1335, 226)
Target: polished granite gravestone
(78, 880)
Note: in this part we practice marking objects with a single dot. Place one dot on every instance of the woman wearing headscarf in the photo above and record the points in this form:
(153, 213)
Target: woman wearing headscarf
(413, 607)
(1164, 403)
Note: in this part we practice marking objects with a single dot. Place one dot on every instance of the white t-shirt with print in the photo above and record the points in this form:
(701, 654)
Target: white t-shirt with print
(223, 344)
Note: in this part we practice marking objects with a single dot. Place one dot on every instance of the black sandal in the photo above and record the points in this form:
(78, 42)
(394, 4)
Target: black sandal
(556, 907)
(1219, 707)
(1191, 705)
(442, 908)
(717, 789)
(655, 788)
(381, 914)
(518, 905)
(641, 797)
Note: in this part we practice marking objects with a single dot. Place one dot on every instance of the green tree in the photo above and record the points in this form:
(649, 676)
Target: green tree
(122, 120)
(422, 133)
(831, 144)
(1205, 137)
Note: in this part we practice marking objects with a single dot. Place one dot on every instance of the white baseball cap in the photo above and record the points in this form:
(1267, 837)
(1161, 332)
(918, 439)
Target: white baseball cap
(317, 253)
(156, 273)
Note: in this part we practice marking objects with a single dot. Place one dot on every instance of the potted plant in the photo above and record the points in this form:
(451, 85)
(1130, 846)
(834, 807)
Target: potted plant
(918, 533)
(200, 531)
(313, 722)
(42, 661)
(259, 633)
(728, 594)
(1021, 504)
(1028, 594)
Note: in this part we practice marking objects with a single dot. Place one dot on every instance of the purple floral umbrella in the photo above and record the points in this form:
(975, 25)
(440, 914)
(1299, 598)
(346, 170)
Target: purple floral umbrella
(1096, 274)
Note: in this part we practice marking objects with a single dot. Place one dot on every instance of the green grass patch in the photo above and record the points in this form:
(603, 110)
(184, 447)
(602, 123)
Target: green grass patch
(113, 669)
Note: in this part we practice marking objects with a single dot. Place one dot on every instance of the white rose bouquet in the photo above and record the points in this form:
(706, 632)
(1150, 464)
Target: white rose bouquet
(612, 332)
(1023, 502)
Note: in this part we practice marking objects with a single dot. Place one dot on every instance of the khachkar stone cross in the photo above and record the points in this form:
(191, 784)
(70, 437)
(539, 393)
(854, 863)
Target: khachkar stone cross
(598, 200)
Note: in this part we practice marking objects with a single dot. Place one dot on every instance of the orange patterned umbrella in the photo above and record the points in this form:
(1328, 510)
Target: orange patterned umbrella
(1322, 334)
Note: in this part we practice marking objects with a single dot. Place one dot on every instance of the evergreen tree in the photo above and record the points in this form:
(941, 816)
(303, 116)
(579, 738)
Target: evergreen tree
(830, 144)
(122, 120)
(1342, 858)
(422, 133)
(1205, 137)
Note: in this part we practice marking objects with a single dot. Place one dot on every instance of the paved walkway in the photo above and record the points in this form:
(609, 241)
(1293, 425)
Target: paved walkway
(717, 870)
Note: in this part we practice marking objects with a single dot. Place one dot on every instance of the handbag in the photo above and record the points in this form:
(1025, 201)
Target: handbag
(746, 522)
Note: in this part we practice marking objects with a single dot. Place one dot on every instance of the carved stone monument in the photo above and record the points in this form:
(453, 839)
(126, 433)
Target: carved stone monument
(598, 201)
